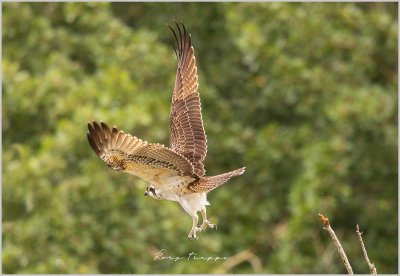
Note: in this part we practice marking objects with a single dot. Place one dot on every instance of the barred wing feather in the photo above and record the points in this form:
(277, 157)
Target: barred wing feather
(187, 135)
(124, 152)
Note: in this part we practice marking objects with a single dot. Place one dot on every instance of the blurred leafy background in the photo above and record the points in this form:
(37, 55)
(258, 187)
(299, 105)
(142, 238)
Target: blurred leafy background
(302, 94)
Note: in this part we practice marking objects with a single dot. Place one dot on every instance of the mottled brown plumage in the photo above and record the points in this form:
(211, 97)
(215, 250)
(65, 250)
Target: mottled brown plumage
(122, 151)
(187, 135)
(175, 173)
(207, 184)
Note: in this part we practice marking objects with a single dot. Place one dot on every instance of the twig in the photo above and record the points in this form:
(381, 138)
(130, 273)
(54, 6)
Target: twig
(372, 268)
(337, 243)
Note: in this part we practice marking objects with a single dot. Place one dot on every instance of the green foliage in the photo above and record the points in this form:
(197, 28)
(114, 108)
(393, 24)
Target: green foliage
(302, 94)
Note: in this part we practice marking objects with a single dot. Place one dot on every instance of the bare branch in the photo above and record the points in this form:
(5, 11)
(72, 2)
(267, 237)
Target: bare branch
(337, 243)
(372, 268)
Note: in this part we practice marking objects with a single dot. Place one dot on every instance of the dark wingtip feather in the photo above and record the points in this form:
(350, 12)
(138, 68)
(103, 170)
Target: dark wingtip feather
(93, 144)
(96, 125)
(183, 41)
(106, 131)
(99, 132)
(91, 129)
(184, 37)
(114, 130)
(176, 37)
(180, 38)
(103, 125)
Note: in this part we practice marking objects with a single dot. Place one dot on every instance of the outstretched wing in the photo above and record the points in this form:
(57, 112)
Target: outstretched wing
(124, 152)
(207, 184)
(187, 135)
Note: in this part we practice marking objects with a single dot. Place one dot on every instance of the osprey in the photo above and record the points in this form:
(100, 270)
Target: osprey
(175, 173)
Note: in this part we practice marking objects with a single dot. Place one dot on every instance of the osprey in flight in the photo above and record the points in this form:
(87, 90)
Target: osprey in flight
(175, 173)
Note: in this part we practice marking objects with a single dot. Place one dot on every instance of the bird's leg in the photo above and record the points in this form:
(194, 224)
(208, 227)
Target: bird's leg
(206, 222)
(192, 234)
(193, 213)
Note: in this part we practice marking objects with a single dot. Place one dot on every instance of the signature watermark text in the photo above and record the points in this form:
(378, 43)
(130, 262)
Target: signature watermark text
(162, 256)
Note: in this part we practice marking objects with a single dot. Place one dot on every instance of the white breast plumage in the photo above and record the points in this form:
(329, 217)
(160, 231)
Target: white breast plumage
(169, 187)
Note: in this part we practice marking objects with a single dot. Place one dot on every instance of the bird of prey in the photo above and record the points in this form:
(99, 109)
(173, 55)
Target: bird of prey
(175, 173)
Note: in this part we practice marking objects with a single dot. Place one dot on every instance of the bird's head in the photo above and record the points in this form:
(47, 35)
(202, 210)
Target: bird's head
(150, 190)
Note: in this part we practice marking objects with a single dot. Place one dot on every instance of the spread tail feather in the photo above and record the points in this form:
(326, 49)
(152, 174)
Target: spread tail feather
(209, 183)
